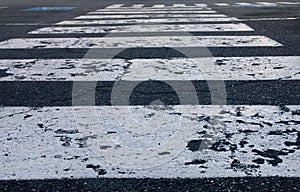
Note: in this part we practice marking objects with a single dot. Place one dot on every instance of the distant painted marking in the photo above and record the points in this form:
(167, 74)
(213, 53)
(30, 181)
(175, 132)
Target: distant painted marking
(200, 5)
(267, 4)
(129, 42)
(289, 3)
(3, 7)
(141, 21)
(137, 6)
(114, 6)
(150, 16)
(227, 68)
(150, 12)
(45, 143)
(158, 6)
(49, 9)
(144, 28)
(222, 4)
(244, 4)
(147, 9)
(179, 5)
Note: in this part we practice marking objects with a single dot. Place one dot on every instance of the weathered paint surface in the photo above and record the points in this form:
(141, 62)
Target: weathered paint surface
(46, 142)
(226, 68)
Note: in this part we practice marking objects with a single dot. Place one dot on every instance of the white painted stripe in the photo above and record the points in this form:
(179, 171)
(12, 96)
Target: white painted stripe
(114, 6)
(144, 28)
(222, 4)
(179, 5)
(254, 19)
(129, 42)
(244, 4)
(137, 6)
(289, 3)
(150, 16)
(200, 5)
(141, 21)
(46, 143)
(3, 7)
(169, 9)
(151, 11)
(206, 68)
(158, 6)
(267, 3)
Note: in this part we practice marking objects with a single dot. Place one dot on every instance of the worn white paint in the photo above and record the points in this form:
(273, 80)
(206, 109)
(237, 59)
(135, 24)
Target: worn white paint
(144, 28)
(200, 5)
(129, 42)
(179, 5)
(41, 143)
(226, 68)
(222, 4)
(135, 6)
(267, 4)
(289, 3)
(141, 21)
(158, 6)
(149, 16)
(166, 8)
(244, 4)
(152, 12)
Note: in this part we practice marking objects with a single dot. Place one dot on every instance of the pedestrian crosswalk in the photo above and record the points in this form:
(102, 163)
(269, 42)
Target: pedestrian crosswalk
(144, 28)
(184, 111)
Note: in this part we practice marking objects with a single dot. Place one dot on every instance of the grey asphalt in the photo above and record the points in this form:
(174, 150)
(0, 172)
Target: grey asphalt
(15, 23)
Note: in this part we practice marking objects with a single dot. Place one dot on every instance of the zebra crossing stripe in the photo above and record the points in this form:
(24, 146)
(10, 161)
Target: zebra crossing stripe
(170, 9)
(143, 21)
(137, 6)
(144, 28)
(152, 12)
(179, 5)
(267, 3)
(44, 143)
(221, 4)
(289, 3)
(114, 6)
(243, 4)
(201, 5)
(237, 68)
(149, 16)
(158, 6)
(127, 42)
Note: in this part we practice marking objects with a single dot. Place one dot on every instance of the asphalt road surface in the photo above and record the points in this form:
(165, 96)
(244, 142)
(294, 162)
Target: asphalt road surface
(149, 95)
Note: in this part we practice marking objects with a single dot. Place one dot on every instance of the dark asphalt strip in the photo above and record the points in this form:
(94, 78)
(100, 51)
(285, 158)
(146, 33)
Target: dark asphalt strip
(239, 184)
(59, 93)
(145, 53)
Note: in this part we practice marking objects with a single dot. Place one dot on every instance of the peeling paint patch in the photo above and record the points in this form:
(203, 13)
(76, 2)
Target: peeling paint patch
(47, 144)
(239, 68)
(3, 73)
